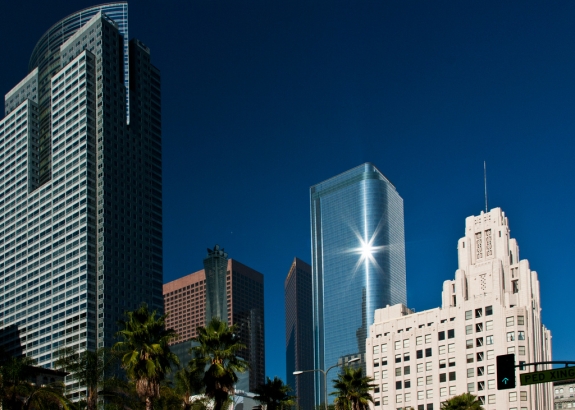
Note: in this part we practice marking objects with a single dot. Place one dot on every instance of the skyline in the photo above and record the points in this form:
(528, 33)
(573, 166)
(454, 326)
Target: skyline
(426, 92)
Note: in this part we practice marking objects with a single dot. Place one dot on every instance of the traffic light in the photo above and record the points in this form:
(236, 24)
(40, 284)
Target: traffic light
(506, 371)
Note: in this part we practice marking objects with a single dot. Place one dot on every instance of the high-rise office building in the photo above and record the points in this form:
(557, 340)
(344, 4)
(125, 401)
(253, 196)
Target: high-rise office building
(299, 332)
(358, 262)
(185, 299)
(80, 187)
(215, 268)
(492, 307)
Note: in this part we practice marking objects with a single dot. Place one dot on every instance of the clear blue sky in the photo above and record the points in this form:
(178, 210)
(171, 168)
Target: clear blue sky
(262, 99)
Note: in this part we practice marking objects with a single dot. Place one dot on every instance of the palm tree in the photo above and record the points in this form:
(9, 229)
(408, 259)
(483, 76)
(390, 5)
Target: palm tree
(18, 393)
(218, 348)
(465, 401)
(145, 353)
(274, 394)
(189, 381)
(352, 390)
(91, 369)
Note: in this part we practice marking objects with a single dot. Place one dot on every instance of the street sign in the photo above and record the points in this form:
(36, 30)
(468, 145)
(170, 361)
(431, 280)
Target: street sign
(547, 376)
(506, 371)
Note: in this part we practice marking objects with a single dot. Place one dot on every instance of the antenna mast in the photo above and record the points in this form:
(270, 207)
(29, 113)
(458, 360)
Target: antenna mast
(485, 183)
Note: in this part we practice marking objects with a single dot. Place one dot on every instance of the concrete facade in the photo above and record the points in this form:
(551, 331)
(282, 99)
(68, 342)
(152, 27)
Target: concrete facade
(564, 395)
(491, 308)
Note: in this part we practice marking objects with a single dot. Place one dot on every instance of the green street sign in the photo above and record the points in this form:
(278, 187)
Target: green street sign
(547, 376)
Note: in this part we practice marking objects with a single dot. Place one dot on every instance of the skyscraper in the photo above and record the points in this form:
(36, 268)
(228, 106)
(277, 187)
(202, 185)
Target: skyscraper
(358, 262)
(215, 267)
(80, 187)
(185, 300)
(299, 332)
(492, 307)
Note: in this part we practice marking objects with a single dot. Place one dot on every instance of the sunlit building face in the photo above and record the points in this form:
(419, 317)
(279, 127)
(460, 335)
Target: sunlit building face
(358, 261)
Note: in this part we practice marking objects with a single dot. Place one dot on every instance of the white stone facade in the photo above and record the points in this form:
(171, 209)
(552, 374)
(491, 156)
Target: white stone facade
(491, 308)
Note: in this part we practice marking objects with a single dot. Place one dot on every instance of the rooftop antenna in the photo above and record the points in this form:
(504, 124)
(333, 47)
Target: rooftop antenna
(485, 183)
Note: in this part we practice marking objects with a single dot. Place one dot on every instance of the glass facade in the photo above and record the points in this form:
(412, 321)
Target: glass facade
(84, 245)
(216, 268)
(358, 262)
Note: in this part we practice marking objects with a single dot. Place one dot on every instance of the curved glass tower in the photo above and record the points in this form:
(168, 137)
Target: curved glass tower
(358, 262)
(46, 58)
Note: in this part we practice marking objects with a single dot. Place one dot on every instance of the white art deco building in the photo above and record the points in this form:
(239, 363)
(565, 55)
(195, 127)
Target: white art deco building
(80, 188)
(491, 308)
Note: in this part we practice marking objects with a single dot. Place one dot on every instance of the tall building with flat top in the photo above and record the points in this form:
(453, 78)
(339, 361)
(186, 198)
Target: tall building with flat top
(80, 187)
(358, 262)
(299, 332)
(492, 307)
(185, 299)
(215, 267)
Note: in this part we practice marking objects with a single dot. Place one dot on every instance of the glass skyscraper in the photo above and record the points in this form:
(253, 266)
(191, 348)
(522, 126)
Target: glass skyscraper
(80, 188)
(358, 262)
(216, 269)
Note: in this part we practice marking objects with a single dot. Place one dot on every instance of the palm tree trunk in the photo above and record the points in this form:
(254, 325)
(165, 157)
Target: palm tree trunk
(149, 405)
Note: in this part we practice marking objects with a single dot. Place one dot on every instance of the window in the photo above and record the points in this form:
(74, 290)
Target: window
(512, 396)
(515, 286)
(384, 348)
(510, 336)
(384, 361)
(407, 384)
(419, 367)
(428, 366)
(490, 369)
(479, 342)
(451, 333)
(398, 398)
(443, 391)
(489, 325)
(480, 371)
(491, 384)
(376, 349)
(471, 372)
(420, 395)
(451, 348)
(384, 387)
(521, 350)
(471, 387)
(521, 335)
(510, 321)
(442, 377)
(376, 375)
(511, 349)
(397, 358)
(441, 335)
(418, 340)
(490, 354)
(427, 339)
(384, 400)
(398, 385)
(479, 312)
(420, 381)
(406, 343)
(397, 344)
(407, 396)
(406, 357)
(468, 329)
(469, 343)
(419, 354)
(479, 327)
(520, 320)
(376, 363)
(480, 356)
(523, 395)
(452, 362)
(406, 371)
(442, 363)
(480, 386)
(398, 371)
(470, 357)
(489, 340)
(442, 349)
(384, 374)
(429, 395)
(428, 352)
(491, 399)
(481, 399)
(468, 315)
(488, 310)
(452, 390)
(451, 376)
(429, 379)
